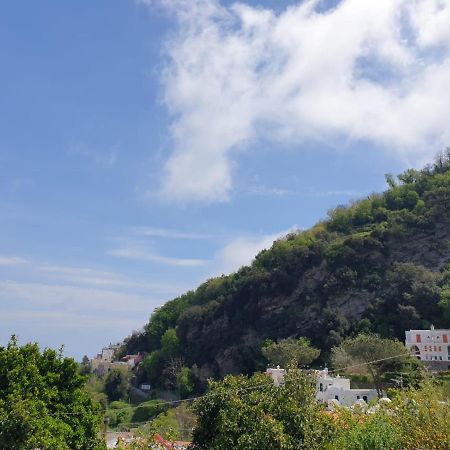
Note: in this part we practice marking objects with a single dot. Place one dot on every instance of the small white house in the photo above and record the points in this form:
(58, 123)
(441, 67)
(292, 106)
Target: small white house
(331, 389)
(277, 375)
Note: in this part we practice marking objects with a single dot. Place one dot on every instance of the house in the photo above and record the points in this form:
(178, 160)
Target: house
(431, 346)
(132, 360)
(177, 445)
(335, 388)
(277, 375)
(104, 361)
(331, 389)
(108, 352)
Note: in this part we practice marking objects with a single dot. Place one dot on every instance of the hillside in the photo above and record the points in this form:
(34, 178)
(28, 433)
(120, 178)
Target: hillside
(380, 264)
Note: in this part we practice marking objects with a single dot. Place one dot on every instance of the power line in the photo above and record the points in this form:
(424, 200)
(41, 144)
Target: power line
(370, 362)
(174, 402)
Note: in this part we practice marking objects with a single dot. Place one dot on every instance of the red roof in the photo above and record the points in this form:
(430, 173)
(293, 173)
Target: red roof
(171, 446)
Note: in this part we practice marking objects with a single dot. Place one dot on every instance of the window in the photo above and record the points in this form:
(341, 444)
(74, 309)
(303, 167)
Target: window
(445, 339)
(365, 398)
(358, 397)
(418, 338)
(336, 397)
(440, 348)
(321, 387)
(426, 347)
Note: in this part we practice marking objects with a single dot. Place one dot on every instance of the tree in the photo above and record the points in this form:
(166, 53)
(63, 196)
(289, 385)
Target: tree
(184, 382)
(290, 352)
(368, 353)
(170, 345)
(116, 384)
(151, 368)
(43, 403)
(243, 413)
(85, 366)
(444, 304)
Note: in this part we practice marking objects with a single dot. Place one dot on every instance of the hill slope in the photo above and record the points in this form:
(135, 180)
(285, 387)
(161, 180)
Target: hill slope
(380, 264)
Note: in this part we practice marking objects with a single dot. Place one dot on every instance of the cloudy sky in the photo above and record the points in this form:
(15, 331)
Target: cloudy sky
(148, 145)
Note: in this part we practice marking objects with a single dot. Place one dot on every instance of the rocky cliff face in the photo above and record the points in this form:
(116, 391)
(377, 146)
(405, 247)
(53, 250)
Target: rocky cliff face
(379, 265)
(381, 281)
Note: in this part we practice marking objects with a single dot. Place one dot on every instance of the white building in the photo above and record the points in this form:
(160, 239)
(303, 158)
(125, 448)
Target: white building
(330, 389)
(104, 361)
(430, 346)
(107, 354)
(277, 375)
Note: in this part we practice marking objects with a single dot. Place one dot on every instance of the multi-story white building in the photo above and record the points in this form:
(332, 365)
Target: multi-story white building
(430, 346)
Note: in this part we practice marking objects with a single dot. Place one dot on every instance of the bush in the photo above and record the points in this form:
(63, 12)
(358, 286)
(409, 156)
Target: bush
(146, 411)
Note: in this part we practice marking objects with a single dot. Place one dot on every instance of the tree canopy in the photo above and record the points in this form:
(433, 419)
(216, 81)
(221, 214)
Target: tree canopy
(368, 353)
(243, 413)
(116, 384)
(43, 403)
(290, 352)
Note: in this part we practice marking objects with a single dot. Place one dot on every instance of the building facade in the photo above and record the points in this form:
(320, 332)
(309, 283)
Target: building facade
(104, 361)
(330, 389)
(335, 388)
(430, 346)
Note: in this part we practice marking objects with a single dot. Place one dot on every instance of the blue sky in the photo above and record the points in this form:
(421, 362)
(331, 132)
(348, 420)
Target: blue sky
(148, 145)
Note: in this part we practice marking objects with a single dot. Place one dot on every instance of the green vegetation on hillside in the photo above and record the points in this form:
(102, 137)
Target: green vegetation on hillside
(379, 265)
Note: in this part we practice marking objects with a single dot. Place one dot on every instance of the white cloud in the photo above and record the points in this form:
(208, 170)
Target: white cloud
(44, 301)
(82, 318)
(264, 191)
(364, 71)
(60, 297)
(104, 157)
(132, 252)
(71, 321)
(100, 278)
(12, 260)
(242, 250)
(170, 233)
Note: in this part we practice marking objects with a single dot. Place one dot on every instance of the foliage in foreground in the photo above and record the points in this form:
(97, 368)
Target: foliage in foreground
(416, 418)
(252, 413)
(43, 403)
(243, 413)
